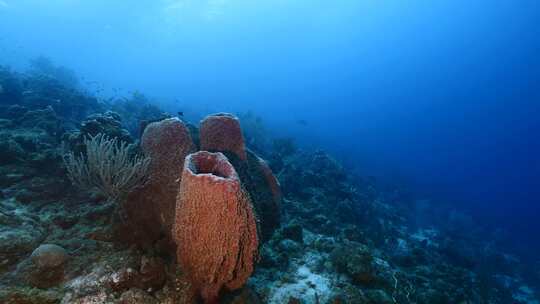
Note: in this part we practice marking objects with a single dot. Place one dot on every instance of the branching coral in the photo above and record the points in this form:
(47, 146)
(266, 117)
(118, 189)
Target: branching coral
(107, 167)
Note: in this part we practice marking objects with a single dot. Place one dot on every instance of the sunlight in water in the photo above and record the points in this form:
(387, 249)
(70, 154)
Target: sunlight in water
(178, 10)
(269, 151)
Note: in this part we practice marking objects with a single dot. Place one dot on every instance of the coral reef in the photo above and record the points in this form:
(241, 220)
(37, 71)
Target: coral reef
(47, 85)
(256, 134)
(108, 124)
(215, 225)
(136, 110)
(43, 66)
(31, 138)
(11, 87)
(313, 233)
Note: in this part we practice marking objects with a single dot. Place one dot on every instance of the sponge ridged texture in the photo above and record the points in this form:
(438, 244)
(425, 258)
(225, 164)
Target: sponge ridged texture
(221, 132)
(215, 226)
(151, 207)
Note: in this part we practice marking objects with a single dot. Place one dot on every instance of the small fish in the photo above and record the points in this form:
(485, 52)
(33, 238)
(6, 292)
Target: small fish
(1, 89)
(180, 114)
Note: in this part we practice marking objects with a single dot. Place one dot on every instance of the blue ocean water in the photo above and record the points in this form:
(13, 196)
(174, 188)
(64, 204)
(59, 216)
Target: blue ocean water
(441, 97)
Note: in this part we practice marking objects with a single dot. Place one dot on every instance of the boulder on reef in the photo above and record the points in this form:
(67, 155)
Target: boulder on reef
(15, 112)
(108, 123)
(215, 226)
(151, 207)
(44, 119)
(20, 233)
(48, 262)
(12, 152)
(48, 256)
(222, 133)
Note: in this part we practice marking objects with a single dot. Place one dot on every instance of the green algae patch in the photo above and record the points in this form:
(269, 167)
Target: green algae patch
(25, 295)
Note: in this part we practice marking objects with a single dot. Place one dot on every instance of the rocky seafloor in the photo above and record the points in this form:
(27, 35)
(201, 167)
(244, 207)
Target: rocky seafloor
(343, 238)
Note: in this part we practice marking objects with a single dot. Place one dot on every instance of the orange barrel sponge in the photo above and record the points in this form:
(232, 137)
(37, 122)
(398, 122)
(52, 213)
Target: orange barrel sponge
(221, 132)
(215, 227)
(167, 143)
(263, 188)
(271, 180)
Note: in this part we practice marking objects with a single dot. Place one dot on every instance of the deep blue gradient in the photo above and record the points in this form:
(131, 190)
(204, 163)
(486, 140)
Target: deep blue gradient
(443, 96)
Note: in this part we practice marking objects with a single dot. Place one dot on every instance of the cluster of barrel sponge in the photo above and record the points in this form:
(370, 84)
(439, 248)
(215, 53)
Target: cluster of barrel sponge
(211, 196)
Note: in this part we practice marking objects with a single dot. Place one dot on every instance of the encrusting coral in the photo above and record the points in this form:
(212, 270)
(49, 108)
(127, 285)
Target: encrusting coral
(221, 132)
(215, 225)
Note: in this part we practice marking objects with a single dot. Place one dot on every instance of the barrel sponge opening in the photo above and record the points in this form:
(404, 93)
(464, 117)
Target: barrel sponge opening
(216, 164)
(215, 228)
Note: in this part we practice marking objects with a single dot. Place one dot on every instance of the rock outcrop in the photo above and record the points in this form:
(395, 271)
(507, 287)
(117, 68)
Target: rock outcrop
(47, 269)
